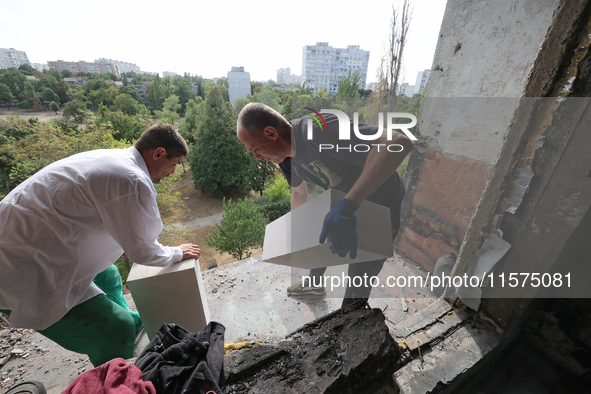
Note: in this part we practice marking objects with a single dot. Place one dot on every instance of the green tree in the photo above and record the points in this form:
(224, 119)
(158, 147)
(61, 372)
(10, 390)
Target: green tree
(183, 92)
(199, 84)
(76, 109)
(66, 73)
(49, 95)
(54, 106)
(6, 95)
(240, 103)
(166, 87)
(365, 92)
(304, 91)
(217, 161)
(188, 127)
(223, 82)
(94, 84)
(322, 93)
(127, 104)
(126, 127)
(77, 92)
(57, 85)
(25, 104)
(269, 97)
(26, 68)
(108, 77)
(169, 112)
(349, 86)
(28, 93)
(242, 227)
(258, 173)
(15, 80)
(155, 96)
(133, 92)
(105, 95)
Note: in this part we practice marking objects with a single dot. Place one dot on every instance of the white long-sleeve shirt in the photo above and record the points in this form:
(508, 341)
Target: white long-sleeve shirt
(69, 222)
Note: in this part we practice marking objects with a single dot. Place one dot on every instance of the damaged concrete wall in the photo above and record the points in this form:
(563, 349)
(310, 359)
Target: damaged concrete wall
(486, 49)
(558, 195)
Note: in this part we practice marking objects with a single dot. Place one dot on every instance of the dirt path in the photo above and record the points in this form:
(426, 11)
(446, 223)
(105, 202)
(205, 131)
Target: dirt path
(43, 116)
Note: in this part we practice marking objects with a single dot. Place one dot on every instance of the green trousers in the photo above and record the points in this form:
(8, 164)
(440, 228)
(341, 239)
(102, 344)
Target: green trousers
(103, 327)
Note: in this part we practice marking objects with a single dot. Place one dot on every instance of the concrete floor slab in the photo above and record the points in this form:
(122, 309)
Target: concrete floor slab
(250, 298)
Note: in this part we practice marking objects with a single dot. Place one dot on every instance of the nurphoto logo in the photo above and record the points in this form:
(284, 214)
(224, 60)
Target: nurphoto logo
(345, 129)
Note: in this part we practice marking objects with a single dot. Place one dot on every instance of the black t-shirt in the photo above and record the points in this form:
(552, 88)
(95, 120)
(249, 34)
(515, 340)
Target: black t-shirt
(336, 168)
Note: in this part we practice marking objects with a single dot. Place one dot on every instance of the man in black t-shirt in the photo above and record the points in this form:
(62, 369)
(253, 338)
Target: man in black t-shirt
(366, 170)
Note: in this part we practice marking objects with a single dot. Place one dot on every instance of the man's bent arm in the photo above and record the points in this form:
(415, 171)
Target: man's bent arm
(134, 222)
(379, 166)
(299, 195)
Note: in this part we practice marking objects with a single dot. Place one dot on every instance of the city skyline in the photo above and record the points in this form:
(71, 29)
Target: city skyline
(201, 40)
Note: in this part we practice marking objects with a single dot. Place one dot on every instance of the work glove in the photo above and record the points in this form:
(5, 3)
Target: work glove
(342, 224)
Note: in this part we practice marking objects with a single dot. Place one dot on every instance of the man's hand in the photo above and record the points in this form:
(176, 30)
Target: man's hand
(190, 251)
(342, 224)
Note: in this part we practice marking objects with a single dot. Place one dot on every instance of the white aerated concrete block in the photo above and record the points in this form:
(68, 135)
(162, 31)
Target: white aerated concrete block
(293, 238)
(172, 294)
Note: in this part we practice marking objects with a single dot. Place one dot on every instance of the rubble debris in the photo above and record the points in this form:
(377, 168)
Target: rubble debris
(347, 353)
(27, 355)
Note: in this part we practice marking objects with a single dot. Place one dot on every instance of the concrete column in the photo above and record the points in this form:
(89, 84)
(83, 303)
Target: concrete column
(486, 53)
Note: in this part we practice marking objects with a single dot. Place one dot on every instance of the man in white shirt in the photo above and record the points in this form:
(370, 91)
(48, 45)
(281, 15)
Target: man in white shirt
(71, 221)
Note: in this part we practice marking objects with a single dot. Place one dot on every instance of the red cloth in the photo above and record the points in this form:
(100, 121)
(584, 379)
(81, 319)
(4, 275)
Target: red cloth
(113, 377)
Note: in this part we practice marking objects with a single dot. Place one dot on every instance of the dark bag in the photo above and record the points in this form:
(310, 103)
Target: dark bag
(178, 361)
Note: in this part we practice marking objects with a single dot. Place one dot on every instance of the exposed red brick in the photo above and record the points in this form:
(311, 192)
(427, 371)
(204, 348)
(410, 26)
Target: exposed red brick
(443, 200)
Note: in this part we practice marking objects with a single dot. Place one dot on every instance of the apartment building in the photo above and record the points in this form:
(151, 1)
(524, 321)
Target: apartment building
(122, 67)
(11, 58)
(284, 75)
(421, 81)
(324, 66)
(238, 83)
(82, 66)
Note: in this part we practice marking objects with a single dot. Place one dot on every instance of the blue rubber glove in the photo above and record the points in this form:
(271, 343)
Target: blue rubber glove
(342, 224)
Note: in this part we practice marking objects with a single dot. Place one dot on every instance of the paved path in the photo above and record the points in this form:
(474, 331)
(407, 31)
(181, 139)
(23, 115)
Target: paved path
(201, 222)
(215, 218)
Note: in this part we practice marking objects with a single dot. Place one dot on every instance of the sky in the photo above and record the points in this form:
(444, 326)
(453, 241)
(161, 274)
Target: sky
(208, 38)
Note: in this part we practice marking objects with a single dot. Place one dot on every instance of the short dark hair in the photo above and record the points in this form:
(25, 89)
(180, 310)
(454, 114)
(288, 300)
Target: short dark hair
(162, 135)
(254, 117)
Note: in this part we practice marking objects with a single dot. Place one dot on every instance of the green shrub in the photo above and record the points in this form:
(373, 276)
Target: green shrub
(241, 228)
(47, 143)
(272, 209)
(127, 127)
(279, 189)
(276, 200)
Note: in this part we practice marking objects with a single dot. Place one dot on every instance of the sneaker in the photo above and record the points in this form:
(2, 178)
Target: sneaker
(299, 290)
